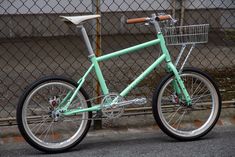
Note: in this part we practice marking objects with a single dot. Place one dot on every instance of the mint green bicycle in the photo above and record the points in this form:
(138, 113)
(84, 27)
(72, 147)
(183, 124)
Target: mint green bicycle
(55, 113)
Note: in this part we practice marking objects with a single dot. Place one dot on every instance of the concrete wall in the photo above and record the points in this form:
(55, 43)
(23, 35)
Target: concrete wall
(30, 18)
(45, 25)
(81, 6)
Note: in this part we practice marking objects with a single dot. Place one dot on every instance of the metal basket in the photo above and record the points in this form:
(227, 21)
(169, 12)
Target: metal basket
(190, 34)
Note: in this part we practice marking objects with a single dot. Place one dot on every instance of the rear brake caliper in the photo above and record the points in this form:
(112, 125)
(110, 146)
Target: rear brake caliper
(174, 98)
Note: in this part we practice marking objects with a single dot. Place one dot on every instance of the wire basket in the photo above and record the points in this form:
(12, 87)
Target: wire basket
(190, 34)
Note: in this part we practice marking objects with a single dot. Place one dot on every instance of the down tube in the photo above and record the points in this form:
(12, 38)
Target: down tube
(143, 75)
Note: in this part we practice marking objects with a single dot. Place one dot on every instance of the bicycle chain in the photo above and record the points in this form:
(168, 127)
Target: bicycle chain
(93, 118)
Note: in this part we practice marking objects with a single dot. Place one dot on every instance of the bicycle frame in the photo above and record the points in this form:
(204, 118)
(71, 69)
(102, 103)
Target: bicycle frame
(177, 84)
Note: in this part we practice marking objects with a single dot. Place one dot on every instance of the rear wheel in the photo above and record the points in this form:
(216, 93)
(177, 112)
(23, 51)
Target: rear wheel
(42, 125)
(175, 117)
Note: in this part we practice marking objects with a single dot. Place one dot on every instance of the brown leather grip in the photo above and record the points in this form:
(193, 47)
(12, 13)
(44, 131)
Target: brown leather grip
(163, 17)
(136, 20)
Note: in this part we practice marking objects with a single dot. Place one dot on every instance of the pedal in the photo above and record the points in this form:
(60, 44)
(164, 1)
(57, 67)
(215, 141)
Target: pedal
(140, 101)
(137, 101)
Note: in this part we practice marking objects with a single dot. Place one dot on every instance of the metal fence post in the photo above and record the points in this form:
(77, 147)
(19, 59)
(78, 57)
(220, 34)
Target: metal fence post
(96, 43)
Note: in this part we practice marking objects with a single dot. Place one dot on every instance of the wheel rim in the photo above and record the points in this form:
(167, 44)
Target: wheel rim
(189, 121)
(38, 120)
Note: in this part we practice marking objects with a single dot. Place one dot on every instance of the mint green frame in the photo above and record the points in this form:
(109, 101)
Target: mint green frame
(95, 65)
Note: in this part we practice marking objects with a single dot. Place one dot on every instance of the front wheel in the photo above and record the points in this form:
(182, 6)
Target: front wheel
(42, 125)
(179, 120)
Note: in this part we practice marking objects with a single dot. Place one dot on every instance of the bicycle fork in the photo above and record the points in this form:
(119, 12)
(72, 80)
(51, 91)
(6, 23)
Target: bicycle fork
(178, 84)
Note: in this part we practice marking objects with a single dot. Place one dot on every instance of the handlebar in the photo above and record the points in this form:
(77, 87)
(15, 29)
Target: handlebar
(163, 17)
(147, 19)
(137, 20)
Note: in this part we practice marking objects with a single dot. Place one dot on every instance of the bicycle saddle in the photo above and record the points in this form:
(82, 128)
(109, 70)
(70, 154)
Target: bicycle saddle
(78, 19)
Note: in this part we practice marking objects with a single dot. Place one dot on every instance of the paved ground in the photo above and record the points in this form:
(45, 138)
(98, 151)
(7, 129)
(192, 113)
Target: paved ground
(139, 142)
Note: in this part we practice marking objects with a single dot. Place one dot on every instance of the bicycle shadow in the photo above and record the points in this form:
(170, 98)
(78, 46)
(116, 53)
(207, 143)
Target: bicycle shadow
(102, 145)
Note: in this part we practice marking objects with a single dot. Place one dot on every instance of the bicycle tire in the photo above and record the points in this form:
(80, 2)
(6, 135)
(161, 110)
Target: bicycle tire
(161, 114)
(28, 134)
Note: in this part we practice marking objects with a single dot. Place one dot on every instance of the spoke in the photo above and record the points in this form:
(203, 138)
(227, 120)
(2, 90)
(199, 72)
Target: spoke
(51, 90)
(192, 85)
(75, 102)
(197, 88)
(48, 130)
(43, 97)
(174, 113)
(38, 123)
(168, 98)
(44, 109)
(200, 97)
(181, 117)
(52, 133)
(184, 81)
(169, 91)
(201, 107)
(41, 126)
(176, 121)
(45, 129)
(188, 86)
(111, 113)
(63, 93)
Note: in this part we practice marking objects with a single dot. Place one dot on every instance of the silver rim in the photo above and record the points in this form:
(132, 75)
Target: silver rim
(185, 121)
(40, 123)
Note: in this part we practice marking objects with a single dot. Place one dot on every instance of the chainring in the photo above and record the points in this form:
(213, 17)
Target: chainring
(110, 106)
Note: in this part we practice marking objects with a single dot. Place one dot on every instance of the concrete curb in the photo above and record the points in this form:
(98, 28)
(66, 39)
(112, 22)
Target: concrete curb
(10, 134)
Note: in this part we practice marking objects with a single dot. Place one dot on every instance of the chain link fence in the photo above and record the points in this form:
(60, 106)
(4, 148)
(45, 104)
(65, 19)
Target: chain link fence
(34, 42)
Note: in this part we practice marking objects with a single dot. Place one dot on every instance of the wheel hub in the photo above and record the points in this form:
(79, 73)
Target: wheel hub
(55, 115)
(54, 102)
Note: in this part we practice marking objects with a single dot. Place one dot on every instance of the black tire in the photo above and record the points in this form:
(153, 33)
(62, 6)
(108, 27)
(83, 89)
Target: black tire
(22, 123)
(166, 118)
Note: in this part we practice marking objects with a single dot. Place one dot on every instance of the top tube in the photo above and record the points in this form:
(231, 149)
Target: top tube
(128, 50)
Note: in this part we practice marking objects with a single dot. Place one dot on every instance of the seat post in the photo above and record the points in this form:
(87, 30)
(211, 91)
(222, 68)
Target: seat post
(87, 41)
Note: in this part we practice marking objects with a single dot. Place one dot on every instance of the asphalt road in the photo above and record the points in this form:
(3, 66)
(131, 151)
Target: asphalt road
(139, 143)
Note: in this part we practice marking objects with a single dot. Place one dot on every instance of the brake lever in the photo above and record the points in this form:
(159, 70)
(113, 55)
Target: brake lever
(146, 23)
(173, 20)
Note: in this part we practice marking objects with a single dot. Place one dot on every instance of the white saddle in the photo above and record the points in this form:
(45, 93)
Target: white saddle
(78, 19)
